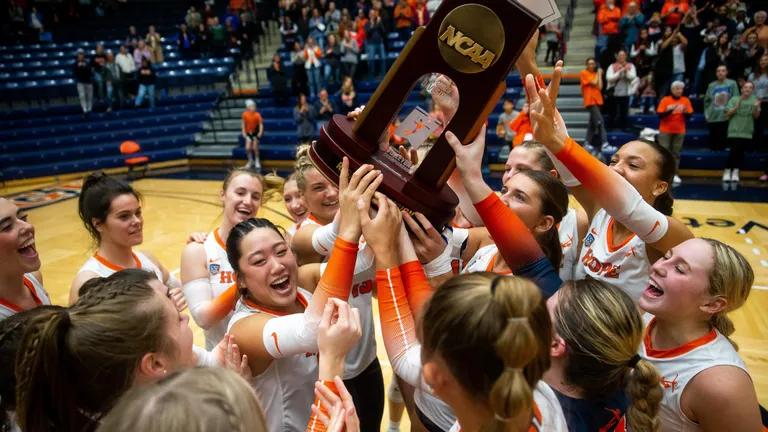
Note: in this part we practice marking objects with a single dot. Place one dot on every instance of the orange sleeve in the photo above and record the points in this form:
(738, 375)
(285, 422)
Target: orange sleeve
(516, 122)
(314, 424)
(337, 278)
(601, 15)
(223, 304)
(397, 325)
(688, 106)
(417, 287)
(516, 244)
(601, 181)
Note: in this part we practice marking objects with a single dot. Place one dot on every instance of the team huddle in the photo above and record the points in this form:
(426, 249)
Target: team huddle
(606, 316)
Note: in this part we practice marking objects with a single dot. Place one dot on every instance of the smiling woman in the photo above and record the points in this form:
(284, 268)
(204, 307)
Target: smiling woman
(21, 284)
(209, 285)
(110, 209)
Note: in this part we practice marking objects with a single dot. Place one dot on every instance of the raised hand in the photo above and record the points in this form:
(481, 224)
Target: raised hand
(469, 158)
(343, 416)
(339, 330)
(548, 127)
(362, 184)
(381, 232)
(427, 241)
(177, 297)
(228, 356)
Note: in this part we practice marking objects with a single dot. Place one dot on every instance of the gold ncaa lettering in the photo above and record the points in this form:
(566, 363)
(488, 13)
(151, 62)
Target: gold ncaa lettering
(467, 47)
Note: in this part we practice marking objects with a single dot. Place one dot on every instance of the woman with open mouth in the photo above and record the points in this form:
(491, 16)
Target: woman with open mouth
(275, 321)
(21, 283)
(294, 203)
(209, 283)
(111, 212)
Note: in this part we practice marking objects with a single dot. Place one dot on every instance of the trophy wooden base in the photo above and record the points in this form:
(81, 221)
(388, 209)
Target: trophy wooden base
(337, 140)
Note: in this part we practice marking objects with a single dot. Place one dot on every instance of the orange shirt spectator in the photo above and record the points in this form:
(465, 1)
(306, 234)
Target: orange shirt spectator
(251, 120)
(522, 126)
(673, 11)
(673, 113)
(590, 91)
(403, 15)
(609, 18)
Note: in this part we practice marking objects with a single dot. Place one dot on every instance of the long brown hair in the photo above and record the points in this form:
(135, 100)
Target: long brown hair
(494, 334)
(554, 202)
(74, 363)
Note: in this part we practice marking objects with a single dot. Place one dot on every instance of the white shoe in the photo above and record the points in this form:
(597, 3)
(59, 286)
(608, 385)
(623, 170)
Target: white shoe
(727, 175)
(735, 175)
(677, 180)
(610, 148)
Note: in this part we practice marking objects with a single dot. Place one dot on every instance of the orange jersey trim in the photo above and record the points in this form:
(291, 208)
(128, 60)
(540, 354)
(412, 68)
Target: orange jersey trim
(299, 299)
(16, 308)
(609, 237)
(112, 266)
(492, 264)
(218, 239)
(677, 351)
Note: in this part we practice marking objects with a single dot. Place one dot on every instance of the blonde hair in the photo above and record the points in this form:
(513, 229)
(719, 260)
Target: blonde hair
(603, 330)
(194, 400)
(302, 165)
(731, 277)
(500, 326)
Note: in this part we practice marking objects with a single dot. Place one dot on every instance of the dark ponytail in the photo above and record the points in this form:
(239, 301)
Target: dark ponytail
(554, 202)
(96, 197)
(667, 167)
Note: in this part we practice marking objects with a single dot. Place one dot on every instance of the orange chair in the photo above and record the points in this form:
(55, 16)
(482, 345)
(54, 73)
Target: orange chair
(131, 151)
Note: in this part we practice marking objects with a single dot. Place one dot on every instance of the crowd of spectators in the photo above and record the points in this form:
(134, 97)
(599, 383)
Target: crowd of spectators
(700, 53)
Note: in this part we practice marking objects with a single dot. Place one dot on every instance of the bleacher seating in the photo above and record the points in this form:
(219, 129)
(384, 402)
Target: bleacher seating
(70, 143)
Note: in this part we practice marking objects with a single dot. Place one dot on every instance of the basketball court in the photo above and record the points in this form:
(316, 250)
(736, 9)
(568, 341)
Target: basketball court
(175, 207)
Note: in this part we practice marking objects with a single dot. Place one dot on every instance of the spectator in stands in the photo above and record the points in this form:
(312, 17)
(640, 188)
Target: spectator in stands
(132, 39)
(312, 55)
(155, 44)
(186, 42)
(208, 12)
(760, 28)
(591, 79)
(671, 64)
(643, 53)
(146, 78)
(304, 116)
(719, 92)
(673, 11)
(202, 41)
(759, 77)
(521, 125)
(299, 80)
(349, 54)
(97, 65)
(278, 80)
(384, 14)
(741, 112)
(504, 129)
(631, 23)
(608, 16)
(347, 96)
(620, 76)
(253, 129)
(646, 89)
(127, 67)
(673, 111)
(752, 52)
(420, 13)
(655, 30)
(317, 27)
(332, 61)
(374, 44)
(288, 31)
(218, 37)
(112, 82)
(193, 18)
(403, 19)
(83, 74)
(332, 18)
(142, 52)
(552, 36)
(324, 108)
(36, 20)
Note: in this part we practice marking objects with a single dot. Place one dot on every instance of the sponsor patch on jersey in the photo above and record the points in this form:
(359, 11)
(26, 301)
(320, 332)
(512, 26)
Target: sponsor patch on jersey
(214, 268)
(588, 240)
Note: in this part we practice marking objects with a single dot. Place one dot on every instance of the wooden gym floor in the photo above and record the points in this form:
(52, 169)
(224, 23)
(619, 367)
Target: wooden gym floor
(174, 208)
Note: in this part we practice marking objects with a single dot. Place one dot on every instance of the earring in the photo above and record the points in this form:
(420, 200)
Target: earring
(165, 372)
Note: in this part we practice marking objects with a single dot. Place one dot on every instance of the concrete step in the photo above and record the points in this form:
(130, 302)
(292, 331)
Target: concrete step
(211, 151)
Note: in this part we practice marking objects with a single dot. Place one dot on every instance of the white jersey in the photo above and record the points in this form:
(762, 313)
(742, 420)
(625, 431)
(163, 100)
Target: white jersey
(360, 297)
(569, 236)
(221, 277)
(285, 389)
(99, 265)
(458, 242)
(437, 411)
(678, 366)
(623, 265)
(38, 294)
(483, 260)
(547, 414)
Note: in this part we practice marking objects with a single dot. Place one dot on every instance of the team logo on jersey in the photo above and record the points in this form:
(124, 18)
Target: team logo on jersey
(594, 265)
(669, 383)
(589, 239)
(214, 268)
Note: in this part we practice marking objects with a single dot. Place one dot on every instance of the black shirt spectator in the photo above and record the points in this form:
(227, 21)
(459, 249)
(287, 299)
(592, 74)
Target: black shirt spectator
(82, 71)
(146, 74)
